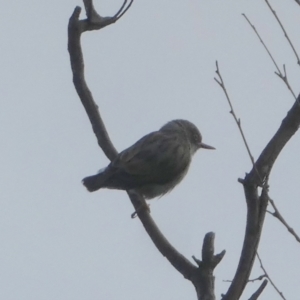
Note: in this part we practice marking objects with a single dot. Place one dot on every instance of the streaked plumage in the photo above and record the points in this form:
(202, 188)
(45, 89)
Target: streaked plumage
(155, 164)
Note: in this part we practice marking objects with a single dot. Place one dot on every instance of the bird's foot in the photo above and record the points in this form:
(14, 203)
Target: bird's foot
(139, 203)
(140, 209)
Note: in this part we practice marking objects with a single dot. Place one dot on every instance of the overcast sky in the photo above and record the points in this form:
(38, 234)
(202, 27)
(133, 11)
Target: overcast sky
(156, 64)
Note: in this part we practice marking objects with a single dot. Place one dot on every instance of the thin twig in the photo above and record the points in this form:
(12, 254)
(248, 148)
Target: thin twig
(261, 40)
(125, 10)
(267, 275)
(95, 22)
(285, 79)
(120, 10)
(284, 31)
(237, 120)
(282, 76)
(278, 215)
(259, 278)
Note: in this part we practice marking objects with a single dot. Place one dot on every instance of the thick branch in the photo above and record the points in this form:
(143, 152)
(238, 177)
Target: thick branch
(287, 129)
(178, 261)
(281, 75)
(257, 205)
(203, 278)
(85, 95)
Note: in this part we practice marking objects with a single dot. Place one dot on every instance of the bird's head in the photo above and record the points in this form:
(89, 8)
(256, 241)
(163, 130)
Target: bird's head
(190, 131)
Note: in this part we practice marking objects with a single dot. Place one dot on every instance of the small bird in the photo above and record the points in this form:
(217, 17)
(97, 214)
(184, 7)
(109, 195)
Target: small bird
(155, 164)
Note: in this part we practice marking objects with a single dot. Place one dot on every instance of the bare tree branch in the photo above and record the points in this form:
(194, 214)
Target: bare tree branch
(206, 282)
(95, 22)
(259, 278)
(261, 40)
(256, 295)
(267, 275)
(256, 209)
(85, 95)
(284, 31)
(281, 75)
(201, 276)
(237, 120)
(278, 215)
(256, 205)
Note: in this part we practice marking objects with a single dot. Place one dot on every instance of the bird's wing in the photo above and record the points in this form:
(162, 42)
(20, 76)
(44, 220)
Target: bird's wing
(155, 158)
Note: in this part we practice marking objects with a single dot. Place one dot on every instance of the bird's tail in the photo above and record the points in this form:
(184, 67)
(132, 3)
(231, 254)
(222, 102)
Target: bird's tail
(95, 182)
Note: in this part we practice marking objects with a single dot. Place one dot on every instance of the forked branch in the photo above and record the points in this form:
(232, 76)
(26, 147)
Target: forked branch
(257, 204)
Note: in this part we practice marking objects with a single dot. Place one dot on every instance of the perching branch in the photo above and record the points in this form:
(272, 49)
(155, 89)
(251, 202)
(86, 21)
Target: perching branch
(202, 275)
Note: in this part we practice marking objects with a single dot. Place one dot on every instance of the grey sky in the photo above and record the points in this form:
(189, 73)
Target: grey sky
(156, 64)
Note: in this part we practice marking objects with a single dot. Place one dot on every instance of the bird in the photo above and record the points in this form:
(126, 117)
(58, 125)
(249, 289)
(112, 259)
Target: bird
(155, 164)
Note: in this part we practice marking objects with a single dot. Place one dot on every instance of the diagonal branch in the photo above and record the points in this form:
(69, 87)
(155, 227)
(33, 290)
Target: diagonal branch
(281, 75)
(267, 275)
(256, 205)
(279, 216)
(237, 120)
(256, 295)
(284, 31)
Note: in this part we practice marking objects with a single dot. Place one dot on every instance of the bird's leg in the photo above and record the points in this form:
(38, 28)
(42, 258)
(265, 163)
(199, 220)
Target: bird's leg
(140, 203)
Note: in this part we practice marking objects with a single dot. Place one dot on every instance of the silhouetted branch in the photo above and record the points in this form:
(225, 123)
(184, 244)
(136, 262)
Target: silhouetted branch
(278, 215)
(237, 120)
(204, 281)
(95, 22)
(267, 275)
(284, 31)
(256, 205)
(256, 295)
(259, 278)
(282, 76)
(256, 208)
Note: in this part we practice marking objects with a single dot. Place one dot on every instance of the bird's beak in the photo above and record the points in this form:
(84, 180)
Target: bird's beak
(205, 146)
